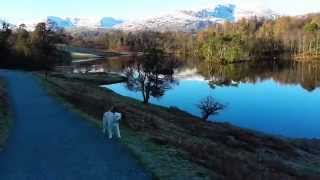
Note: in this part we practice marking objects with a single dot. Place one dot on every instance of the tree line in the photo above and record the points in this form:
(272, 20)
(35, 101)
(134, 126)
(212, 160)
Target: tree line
(245, 40)
(36, 50)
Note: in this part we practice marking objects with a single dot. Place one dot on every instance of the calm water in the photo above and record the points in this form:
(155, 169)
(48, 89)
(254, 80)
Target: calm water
(277, 98)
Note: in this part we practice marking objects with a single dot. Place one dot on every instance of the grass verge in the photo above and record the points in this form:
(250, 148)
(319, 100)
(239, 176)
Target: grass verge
(163, 162)
(92, 78)
(173, 144)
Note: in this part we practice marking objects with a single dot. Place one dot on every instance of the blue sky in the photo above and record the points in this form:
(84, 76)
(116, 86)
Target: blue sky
(25, 10)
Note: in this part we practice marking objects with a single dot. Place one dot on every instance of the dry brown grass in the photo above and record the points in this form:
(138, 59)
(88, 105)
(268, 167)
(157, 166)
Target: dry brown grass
(92, 78)
(168, 136)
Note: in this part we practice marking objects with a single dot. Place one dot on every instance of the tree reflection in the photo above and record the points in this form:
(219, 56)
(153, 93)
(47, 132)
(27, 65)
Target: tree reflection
(151, 74)
(305, 74)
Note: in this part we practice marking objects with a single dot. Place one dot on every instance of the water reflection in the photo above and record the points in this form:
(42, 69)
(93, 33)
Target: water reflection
(273, 97)
(305, 74)
(152, 76)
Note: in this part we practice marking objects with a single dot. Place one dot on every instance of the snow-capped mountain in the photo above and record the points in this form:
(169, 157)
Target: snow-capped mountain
(109, 22)
(63, 23)
(195, 20)
(226, 12)
(183, 20)
(180, 21)
(69, 23)
(176, 21)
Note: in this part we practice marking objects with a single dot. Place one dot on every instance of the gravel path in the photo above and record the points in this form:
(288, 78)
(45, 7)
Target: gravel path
(48, 142)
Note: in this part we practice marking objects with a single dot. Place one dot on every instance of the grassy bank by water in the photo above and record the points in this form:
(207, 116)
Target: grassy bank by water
(92, 78)
(161, 161)
(173, 144)
(4, 114)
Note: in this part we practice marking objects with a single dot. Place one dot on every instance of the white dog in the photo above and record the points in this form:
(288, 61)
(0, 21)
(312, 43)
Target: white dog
(111, 120)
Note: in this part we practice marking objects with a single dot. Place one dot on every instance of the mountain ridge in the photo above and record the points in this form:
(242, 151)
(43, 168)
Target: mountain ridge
(196, 20)
(183, 20)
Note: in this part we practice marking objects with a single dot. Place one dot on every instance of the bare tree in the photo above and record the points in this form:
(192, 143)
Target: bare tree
(209, 107)
(151, 75)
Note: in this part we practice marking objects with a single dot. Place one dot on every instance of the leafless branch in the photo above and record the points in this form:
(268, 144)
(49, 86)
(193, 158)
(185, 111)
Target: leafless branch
(209, 107)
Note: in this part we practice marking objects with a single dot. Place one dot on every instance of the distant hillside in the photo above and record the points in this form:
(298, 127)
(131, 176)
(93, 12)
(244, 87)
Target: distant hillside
(184, 20)
(195, 20)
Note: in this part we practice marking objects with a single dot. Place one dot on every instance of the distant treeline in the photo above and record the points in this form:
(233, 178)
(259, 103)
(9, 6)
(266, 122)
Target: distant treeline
(34, 50)
(244, 40)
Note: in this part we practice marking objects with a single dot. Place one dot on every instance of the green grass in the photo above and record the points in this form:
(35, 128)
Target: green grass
(4, 114)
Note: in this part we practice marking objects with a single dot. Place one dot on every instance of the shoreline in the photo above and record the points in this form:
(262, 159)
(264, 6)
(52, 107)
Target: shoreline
(200, 144)
(149, 154)
(92, 78)
(298, 139)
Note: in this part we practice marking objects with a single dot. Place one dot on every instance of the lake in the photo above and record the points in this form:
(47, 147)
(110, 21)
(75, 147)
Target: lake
(279, 98)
